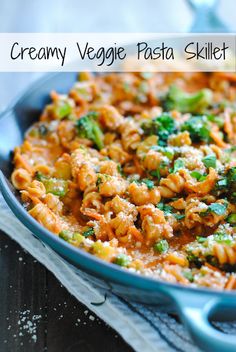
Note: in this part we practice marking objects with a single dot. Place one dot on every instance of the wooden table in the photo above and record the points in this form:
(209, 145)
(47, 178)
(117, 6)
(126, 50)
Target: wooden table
(38, 314)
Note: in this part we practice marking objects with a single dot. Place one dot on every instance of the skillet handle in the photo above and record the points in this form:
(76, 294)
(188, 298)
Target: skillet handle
(195, 311)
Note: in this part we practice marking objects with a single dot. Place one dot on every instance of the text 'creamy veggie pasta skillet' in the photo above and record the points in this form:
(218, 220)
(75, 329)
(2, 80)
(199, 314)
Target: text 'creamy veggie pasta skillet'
(139, 170)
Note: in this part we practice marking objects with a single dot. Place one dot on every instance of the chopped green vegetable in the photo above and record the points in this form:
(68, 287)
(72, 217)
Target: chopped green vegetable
(178, 164)
(231, 175)
(122, 260)
(195, 103)
(223, 238)
(209, 161)
(217, 208)
(231, 149)
(166, 151)
(88, 127)
(188, 275)
(161, 126)
(148, 183)
(162, 246)
(167, 209)
(222, 183)
(193, 259)
(39, 176)
(103, 250)
(77, 239)
(73, 238)
(56, 186)
(99, 181)
(88, 232)
(231, 185)
(231, 219)
(198, 176)
(198, 128)
(179, 216)
(216, 119)
(126, 87)
(66, 235)
(201, 239)
(119, 169)
(61, 108)
(156, 173)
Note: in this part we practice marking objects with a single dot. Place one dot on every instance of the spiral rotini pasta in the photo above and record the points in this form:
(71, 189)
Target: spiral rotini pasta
(224, 253)
(139, 172)
(46, 217)
(171, 185)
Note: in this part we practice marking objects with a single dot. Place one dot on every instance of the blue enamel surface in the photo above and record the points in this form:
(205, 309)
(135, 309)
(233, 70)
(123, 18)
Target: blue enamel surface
(194, 305)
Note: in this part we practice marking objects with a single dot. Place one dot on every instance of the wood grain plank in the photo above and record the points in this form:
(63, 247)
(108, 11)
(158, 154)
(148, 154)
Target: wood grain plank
(72, 327)
(22, 296)
(27, 289)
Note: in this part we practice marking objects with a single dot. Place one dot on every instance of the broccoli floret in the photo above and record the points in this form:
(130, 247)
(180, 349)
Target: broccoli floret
(202, 250)
(231, 184)
(88, 127)
(198, 128)
(195, 103)
(226, 185)
(161, 126)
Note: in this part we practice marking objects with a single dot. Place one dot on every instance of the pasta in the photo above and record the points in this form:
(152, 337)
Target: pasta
(139, 170)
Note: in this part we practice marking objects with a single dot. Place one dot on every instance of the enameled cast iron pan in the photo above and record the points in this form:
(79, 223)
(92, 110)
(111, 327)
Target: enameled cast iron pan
(195, 306)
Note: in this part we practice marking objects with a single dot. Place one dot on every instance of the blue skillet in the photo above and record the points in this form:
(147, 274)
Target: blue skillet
(195, 306)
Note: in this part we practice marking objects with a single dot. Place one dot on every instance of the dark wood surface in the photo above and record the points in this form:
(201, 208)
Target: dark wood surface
(38, 314)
